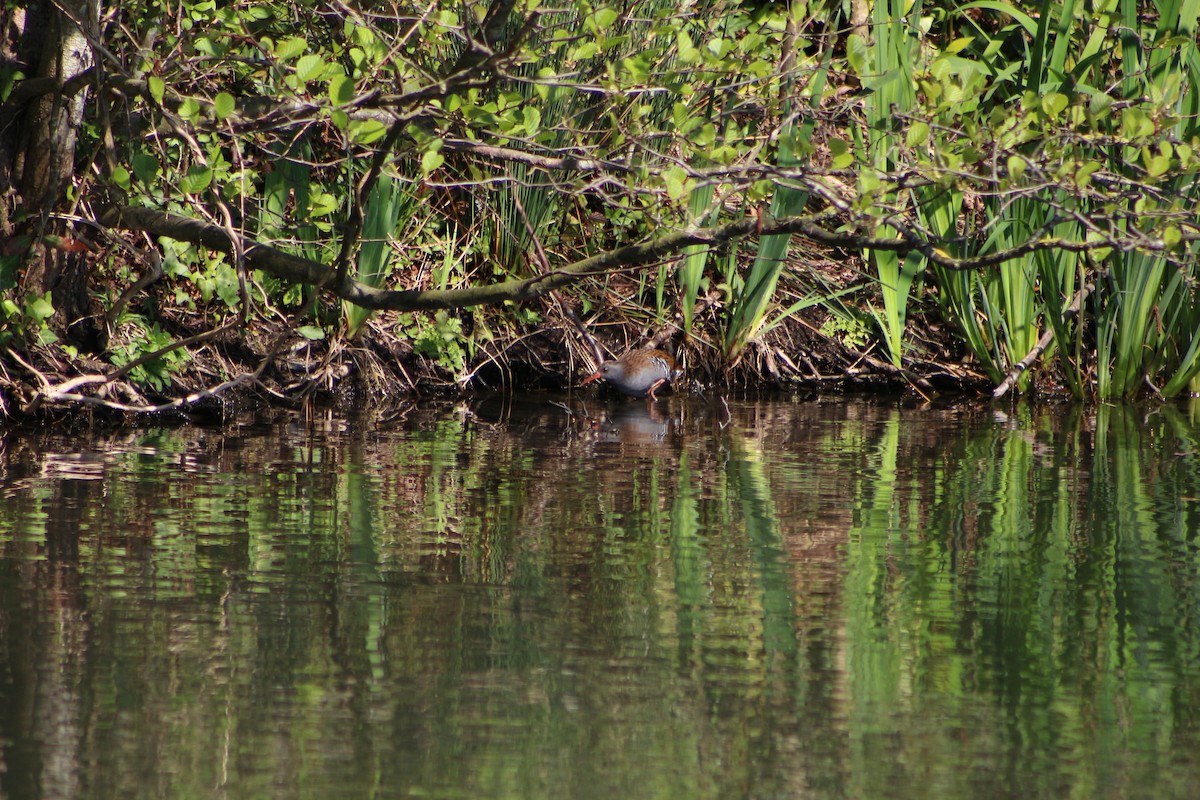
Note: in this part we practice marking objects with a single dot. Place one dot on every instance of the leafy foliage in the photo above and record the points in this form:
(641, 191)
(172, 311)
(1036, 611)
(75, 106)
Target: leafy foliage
(969, 151)
(26, 319)
(143, 339)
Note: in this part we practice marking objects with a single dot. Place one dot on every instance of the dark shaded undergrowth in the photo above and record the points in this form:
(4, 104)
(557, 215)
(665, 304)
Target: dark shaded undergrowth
(276, 362)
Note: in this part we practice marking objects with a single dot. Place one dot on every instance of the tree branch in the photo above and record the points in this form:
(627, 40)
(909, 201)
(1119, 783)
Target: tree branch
(301, 270)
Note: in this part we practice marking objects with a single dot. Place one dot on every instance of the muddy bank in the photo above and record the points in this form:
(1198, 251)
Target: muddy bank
(263, 365)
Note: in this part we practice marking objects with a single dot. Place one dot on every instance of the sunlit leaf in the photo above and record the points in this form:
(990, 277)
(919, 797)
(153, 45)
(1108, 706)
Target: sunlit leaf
(843, 156)
(197, 179)
(960, 44)
(189, 109)
(290, 48)
(603, 18)
(688, 54)
(121, 178)
(1135, 124)
(1053, 104)
(1016, 167)
(40, 308)
(430, 161)
(309, 68)
(1157, 164)
(323, 204)
(676, 180)
(531, 120)
(367, 131)
(311, 332)
(223, 105)
(157, 88)
(341, 90)
(858, 54)
(918, 134)
(584, 51)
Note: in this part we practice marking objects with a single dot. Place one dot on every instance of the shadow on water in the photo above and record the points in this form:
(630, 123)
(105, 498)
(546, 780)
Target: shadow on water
(542, 597)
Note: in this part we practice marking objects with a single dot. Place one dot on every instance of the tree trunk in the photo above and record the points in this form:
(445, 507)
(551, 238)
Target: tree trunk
(37, 153)
(38, 149)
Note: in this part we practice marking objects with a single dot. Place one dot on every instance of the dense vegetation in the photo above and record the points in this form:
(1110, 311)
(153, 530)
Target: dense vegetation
(295, 195)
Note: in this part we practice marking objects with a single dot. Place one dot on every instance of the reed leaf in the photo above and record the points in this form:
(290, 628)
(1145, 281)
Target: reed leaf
(890, 62)
(390, 208)
(750, 305)
(960, 292)
(1147, 319)
(524, 206)
(750, 302)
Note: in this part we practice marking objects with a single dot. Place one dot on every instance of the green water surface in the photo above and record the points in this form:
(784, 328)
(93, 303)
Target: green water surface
(687, 599)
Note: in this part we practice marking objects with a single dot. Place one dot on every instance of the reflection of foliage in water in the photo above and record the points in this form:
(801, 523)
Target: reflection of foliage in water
(809, 601)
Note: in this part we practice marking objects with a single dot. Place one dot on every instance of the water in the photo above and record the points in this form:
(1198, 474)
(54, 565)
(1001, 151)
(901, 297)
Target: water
(522, 599)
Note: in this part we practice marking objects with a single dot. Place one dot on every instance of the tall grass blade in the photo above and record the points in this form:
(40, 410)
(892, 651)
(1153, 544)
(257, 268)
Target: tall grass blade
(390, 207)
(894, 56)
(750, 304)
(691, 271)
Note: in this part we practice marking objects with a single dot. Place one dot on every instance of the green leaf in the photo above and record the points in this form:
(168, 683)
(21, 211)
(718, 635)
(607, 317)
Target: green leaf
(602, 19)
(1024, 20)
(145, 167)
(1053, 104)
(367, 131)
(959, 44)
(196, 180)
(918, 134)
(676, 180)
(223, 105)
(189, 109)
(39, 309)
(311, 332)
(1157, 164)
(868, 183)
(290, 48)
(157, 88)
(688, 54)
(323, 204)
(1084, 176)
(341, 90)
(583, 52)
(1099, 104)
(532, 120)
(430, 161)
(1135, 124)
(310, 67)
(843, 156)
(858, 51)
(1184, 151)
(1016, 167)
(121, 177)
(228, 287)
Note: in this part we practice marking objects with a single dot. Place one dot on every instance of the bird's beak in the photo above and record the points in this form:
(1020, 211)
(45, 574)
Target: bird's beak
(589, 379)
